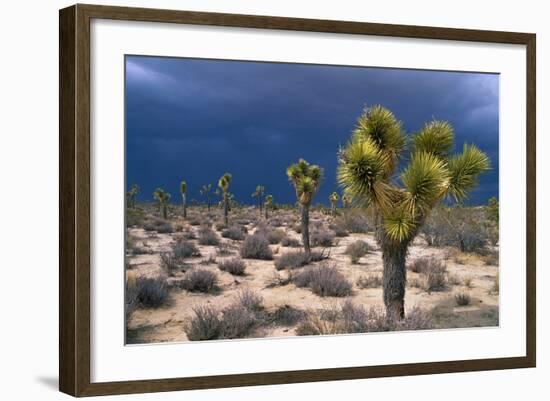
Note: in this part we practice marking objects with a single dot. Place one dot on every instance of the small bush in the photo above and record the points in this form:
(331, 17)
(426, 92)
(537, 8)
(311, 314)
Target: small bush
(434, 273)
(224, 249)
(275, 236)
(195, 221)
(205, 325)
(234, 266)
(293, 260)
(237, 322)
(208, 237)
(151, 292)
(199, 280)
(275, 222)
(339, 231)
(463, 299)
(161, 226)
(369, 281)
(256, 247)
(287, 315)
(351, 318)
(291, 242)
(134, 217)
(322, 238)
(185, 249)
(356, 250)
(353, 221)
(325, 281)
(468, 281)
(220, 226)
(235, 233)
(250, 300)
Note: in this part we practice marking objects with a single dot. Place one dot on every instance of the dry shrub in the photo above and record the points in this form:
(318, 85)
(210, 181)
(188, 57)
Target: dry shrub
(256, 247)
(151, 292)
(351, 318)
(208, 237)
(291, 242)
(356, 250)
(237, 320)
(199, 280)
(235, 266)
(236, 233)
(205, 325)
(353, 221)
(369, 281)
(463, 299)
(185, 249)
(325, 281)
(434, 273)
(161, 226)
(296, 259)
(322, 238)
(287, 315)
(250, 300)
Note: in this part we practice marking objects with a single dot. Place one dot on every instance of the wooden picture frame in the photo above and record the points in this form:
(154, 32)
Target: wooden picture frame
(74, 200)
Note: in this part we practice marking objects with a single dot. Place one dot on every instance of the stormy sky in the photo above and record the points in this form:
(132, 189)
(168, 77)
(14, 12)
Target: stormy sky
(194, 120)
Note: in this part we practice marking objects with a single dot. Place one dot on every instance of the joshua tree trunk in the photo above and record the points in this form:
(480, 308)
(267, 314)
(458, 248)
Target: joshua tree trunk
(164, 211)
(225, 209)
(266, 214)
(394, 278)
(305, 227)
(334, 209)
(184, 207)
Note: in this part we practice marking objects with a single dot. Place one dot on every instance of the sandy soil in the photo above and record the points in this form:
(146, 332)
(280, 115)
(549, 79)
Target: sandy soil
(166, 323)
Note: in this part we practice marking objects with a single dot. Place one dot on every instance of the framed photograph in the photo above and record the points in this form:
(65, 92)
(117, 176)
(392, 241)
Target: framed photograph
(250, 200)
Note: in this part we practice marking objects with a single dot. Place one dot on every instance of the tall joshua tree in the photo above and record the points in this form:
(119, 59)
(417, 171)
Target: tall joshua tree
(401, 204)
(131, 195)
(206, 191)
(162, 198)
(334, 198)
(259, 195)
(183, 191)
(306, 179)
(268, 205)
(223, 184)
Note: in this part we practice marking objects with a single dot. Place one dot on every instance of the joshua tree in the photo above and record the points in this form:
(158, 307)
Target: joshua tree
(183, 190)
(346, 201)
(131, 195)
(223, 184)
(206, 191)
(334, 198)
(268, 205)
(163, 198)
(259, 194)
(366, 172)
(306, 179)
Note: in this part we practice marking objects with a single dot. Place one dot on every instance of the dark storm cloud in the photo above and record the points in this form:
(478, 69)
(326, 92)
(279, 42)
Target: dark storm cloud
(196, 119)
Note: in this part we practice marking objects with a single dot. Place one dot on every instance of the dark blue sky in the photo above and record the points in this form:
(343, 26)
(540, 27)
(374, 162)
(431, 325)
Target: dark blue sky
(195, 119)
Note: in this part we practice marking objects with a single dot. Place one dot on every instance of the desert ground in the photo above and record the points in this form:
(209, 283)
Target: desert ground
(446, 287)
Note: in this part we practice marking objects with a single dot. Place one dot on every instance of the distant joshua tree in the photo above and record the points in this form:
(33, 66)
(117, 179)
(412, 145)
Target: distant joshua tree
(183, 191)
(223, 184)
(306, 179)
(268, 205)
(162, 198)
(259, 195)
(366, 172)
(131, 196)
(206, 191)
(346, 201)
(334, 198)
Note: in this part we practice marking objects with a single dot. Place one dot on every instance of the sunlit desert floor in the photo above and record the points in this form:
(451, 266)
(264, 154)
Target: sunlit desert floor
(472, 274)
